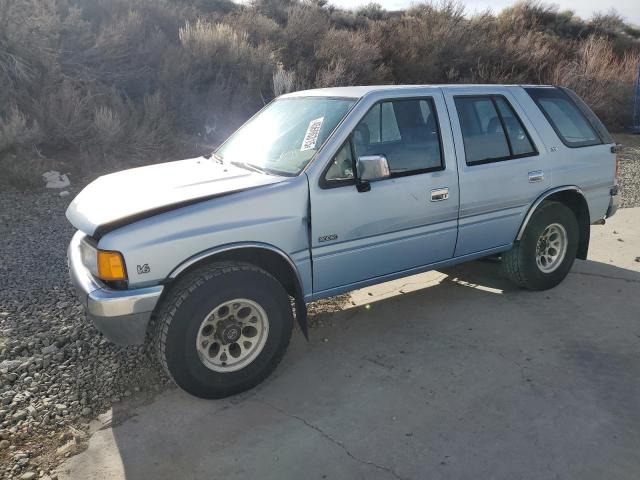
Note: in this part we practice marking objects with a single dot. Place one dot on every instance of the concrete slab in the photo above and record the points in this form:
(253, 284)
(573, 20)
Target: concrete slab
(453, 374)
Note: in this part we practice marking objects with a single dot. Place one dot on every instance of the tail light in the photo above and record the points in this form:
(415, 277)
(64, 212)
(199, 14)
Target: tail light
(617, 149)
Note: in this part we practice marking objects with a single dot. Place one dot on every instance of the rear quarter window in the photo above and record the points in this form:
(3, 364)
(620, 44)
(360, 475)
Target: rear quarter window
(569, 122)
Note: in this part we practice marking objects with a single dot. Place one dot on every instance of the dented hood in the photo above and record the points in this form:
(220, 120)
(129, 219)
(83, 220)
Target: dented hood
(124, 197)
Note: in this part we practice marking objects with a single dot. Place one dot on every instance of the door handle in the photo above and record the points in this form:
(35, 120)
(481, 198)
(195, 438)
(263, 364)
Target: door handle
(536, 176)
(439, 194)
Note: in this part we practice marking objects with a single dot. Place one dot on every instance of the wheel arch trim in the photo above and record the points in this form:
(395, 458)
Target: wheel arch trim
(301, 307)
(541, 199)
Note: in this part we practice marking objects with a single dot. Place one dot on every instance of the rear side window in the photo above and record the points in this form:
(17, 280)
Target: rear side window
(601, 130)
(491, 130)
(571, 125)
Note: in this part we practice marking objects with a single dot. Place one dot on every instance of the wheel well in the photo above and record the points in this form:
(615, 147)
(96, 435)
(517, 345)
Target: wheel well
(578, 205)
(268, 260)
(272, 262)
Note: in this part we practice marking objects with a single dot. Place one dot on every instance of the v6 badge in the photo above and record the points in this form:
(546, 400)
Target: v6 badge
(143, 269)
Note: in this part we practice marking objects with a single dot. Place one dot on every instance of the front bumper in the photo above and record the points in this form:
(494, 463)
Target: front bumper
(121, 315)
(614, 202)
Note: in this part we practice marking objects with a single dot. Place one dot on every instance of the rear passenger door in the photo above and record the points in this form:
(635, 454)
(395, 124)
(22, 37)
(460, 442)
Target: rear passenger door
(501, 163)
(402, 222)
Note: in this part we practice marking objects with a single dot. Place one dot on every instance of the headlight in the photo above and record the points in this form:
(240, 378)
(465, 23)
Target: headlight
(103, 264)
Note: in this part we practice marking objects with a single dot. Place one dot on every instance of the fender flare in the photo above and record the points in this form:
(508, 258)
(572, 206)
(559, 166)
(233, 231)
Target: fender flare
(541, 199)
(300, 305)
(584, 227)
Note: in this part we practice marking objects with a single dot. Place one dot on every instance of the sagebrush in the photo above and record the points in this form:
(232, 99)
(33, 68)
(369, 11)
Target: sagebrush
(135, 78)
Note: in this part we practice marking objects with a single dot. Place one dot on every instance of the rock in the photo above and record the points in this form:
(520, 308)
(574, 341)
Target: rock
(19, 415)
(78, 435)
(67, 449)
(28, 476)
(4, 444)
(64, 193)
(49, 350)
(54, 179)
(86, 411)
(9, 365)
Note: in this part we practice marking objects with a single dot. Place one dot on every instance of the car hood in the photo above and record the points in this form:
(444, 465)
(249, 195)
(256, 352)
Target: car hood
(124, 197)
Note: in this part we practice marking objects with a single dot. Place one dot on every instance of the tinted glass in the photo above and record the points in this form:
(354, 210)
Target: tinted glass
(405, 132)
(484, 139)
(520, 143)
(567, 120)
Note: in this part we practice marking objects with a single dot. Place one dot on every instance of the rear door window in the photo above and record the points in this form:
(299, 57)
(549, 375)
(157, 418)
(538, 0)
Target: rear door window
(491, 130)
(571, 125)
(517, 135)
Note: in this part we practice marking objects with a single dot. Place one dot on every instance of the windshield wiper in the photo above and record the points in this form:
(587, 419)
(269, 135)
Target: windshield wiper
(215, 156)
(250, 166)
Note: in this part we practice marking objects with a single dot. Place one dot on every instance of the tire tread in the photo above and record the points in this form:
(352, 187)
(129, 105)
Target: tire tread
(181, 291)
(513, 260)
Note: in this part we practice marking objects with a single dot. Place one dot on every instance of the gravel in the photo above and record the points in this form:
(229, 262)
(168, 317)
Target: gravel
(629, 176)
(56, 371)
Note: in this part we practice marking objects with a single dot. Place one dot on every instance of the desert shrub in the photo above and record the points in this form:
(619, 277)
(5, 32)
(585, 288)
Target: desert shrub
(66, 112)
(215, 78)
(150, 128)
(16, 131)
(372, 11)
(537, 16)
(107, 127)
(347, 58)
(129, 79)
(425, 45)
(283, 81)
(258, 27)
(306, 24)
(275, 9)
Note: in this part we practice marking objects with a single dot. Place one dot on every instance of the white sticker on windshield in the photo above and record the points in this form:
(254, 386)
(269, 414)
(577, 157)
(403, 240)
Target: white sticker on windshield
(311, 137)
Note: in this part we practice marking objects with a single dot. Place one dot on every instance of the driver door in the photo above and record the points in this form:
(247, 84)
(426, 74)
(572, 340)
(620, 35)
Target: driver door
(402, 222)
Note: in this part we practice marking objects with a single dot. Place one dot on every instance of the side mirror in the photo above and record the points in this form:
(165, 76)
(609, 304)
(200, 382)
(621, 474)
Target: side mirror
(371, 168)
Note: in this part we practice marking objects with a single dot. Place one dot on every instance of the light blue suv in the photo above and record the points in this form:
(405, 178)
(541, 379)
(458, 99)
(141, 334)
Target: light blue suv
(325, 191)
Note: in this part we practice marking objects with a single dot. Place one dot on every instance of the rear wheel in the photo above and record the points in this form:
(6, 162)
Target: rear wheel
(545, 253)
(223, 329)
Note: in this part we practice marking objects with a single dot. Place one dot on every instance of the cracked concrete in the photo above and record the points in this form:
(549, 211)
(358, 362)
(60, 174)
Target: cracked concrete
(329, 437)
(446, 375)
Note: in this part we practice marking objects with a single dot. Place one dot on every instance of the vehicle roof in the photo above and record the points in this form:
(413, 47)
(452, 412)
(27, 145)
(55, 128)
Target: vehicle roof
(360, 91)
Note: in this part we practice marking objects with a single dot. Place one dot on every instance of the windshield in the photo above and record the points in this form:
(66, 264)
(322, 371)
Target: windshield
(284, 136)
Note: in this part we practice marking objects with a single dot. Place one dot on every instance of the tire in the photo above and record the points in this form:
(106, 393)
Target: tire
(532, 270)
(202, 296)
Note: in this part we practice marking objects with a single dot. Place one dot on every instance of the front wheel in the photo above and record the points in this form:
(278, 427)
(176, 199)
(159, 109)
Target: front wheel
(545, 253)
(223, 329)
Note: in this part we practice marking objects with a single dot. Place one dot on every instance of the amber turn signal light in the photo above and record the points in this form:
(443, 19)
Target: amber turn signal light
(111, 266)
